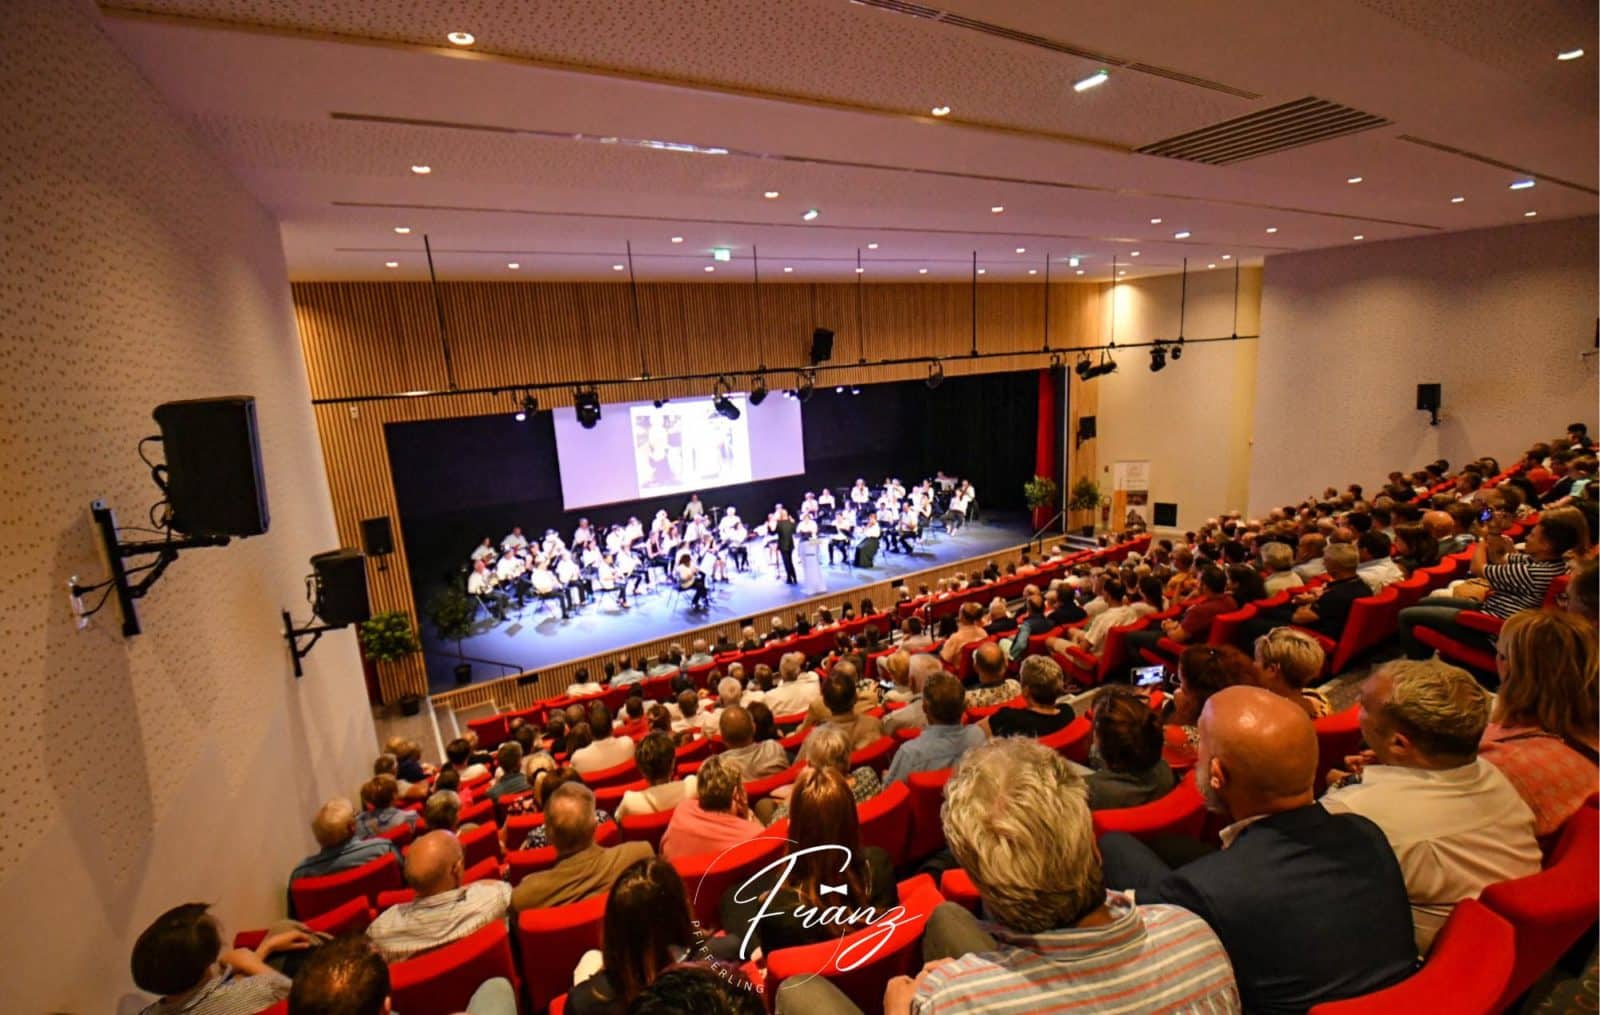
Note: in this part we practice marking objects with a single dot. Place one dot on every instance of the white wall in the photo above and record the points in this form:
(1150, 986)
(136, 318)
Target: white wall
(1498, 316)
(184, 764)
(1191, 421)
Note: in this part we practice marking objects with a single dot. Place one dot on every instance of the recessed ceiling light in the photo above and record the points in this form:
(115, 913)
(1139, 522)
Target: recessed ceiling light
(513, 265)
(922, 271)
(677, 239)
(1522, 184)
(872, 246)
(721, 254)
(1134, 254)
(1121, 273)
(1022, 250)
(860, 270)
(940, 110)
(1094, 80)
(996, 209)
(1227, 257)
(787, 268)
(391, 264)
(1529, 214)
(1272, 229)
(769, 195)
(1457, 199)
(402, 230)
(1182, 234)
(1358, 236)
(711, 267)
(617, 267)
(422, 170)
(983, 271)
(1569, 54)
(1080, 271)
(1155, 221)
(461, 38)
(811, 213)
(1213, 264)
(1072, 262)
(1352, 179)
(1033, 271)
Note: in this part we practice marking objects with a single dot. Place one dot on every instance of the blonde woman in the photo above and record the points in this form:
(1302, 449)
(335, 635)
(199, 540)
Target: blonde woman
(1289, 660)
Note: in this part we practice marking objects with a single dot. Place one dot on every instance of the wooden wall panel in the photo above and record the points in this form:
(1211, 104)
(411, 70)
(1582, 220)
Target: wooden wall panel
(365, 338)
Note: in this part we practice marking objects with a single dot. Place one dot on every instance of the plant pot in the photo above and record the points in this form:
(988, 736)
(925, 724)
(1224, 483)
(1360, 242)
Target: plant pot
(1087, 530)
(411, 704)
(463, 673)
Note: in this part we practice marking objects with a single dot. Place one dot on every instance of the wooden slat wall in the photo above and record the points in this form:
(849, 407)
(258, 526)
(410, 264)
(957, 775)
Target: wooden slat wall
(363, 338)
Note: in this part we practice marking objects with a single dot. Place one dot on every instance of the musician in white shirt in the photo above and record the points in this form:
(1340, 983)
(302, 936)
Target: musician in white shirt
(689, 578)
(844, 524)
(547, 586)
(632, 532)
(660, 523)
(552, 544)
(871, 529)
(583, 535)
(809, 503)
(733, 533)
(515, 541)
(481, 581)
(825, 499)
(509, 569)
(573, 583)
(806, 528)
(957, 512)
(859, 494)
(485, 550)
(889, 524)
(693, 509)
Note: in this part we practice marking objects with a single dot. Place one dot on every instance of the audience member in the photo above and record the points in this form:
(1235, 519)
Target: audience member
(343, 977)
(443, 810)
(797, 688)
(1203, 670)
(180, 957)
(994, 686)
(841, 698)
(509, 760)
(1283, 857)
(1278, 558)
(538, 836)
(918, 669)
(701, 988)
(1126, 766)
(656, 757)
(1288, 660)
(648, 928)
(1326, 608)
(583, 867)
(458, 755)
(605, 750)
(752, 759)
(717, 818)
(444, 909)
(1455, 822)
(830, 748)
(335, 831)
(379, 814)
(1042, 683)
(969, 629)
(1377, 568)
(945, 739)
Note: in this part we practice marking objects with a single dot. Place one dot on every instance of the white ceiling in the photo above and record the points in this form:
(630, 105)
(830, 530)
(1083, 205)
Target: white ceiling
(321, 107)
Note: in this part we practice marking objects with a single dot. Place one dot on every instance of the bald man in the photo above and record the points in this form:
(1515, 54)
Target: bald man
(444, 910)
(335, 829)
(1311, 906)
(754, 759)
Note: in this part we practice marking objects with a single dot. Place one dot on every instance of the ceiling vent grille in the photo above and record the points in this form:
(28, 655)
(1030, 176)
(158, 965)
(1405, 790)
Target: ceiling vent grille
(1053, 45)
(1291, 125)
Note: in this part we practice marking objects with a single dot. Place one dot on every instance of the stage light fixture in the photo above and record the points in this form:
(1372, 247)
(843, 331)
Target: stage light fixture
(1085, 365)
(1158, 358)
(587, 404)
(935, 374)
(659, 402)
(1177, 349)
(807, 385)
(758, 390)
(527, 406)
(854, 390)
(720, 402)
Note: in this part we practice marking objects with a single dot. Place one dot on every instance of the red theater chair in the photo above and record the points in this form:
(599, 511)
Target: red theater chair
(708, 875)
(956, 885)
(485, 870)
(313, 896)
(616, 775)
(350, 918)
(444, 979)
(552, 940)
(886, 821)
(522, 862)
(1181, 812)
(1338, 737)
(1072, 740)
(1372, 619)
(646, 828)
(480, 844)
(926, 835)
(876, 754)
(760, 789)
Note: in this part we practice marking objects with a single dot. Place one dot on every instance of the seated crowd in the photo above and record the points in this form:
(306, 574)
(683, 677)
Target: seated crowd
(1463, 781)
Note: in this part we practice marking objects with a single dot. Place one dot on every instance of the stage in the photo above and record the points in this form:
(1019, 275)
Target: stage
(536, 636)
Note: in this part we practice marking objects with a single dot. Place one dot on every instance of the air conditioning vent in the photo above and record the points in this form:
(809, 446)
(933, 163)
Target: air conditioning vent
(1291, 125)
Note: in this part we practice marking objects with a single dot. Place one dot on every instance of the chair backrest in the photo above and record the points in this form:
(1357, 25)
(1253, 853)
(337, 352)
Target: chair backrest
(1372, 619)
(964, 657)
(1181, 812)
(1466, 971)
(502, 803)
(886, 821)
(646, 828)
(480, 844)
(656, 688)
(1557, 587)
(1072, 740)
(1548, 911)
(1411, 590)
(478, 812)
(607, 798)
(707, 875)
(616, 775)
(1226, 627)
(695, 750)
(552, 940)
(861, 964)
(876, 754)
(491, 730)
(444, 980)
(522, 862)
(350, 918)
(926, 835)
(315, 895)
(759, 789)
(1338, 736)
(401, 834)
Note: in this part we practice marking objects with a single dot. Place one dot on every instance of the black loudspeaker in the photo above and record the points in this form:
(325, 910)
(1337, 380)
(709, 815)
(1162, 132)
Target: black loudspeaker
(213, 480)
(821, 345)
(341, 593)
(1085, 427)
(1428, 397)
(377, 538)
(1166, 515)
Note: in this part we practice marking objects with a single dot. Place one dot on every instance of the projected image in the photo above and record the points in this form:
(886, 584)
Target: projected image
(688, 446)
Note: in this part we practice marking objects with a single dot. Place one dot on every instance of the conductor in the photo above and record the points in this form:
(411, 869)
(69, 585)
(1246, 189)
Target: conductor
(785, 531)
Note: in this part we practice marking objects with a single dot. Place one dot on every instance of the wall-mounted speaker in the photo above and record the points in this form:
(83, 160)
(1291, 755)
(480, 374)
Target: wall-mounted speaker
(340, 598)
(213, 479)
(377, 537)
(1086, 428)
(1166, 515)
(1428, 397)
(821, 345)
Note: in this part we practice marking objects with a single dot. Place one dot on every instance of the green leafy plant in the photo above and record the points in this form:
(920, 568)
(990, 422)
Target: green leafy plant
(1085, 495)
(388, 637)
(1040, 492)
(451, 611)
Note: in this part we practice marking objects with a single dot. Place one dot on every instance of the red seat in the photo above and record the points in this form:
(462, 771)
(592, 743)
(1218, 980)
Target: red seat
(656, 688)
(522, 862)
(886, 821)
(519, 825)
(1072, 740)
(1550, 910)
(875, 755)
(646, 828)
(1226, 628)
(490, 730)
(697, 749)
(1372, 619)
(956, 885)
(401, 834)
(862, 963)
(483, 870)
(315, 895)
(1466, 971)
(1338, 736)
(503, 804)
(478, 812)
(698, 674)
(616, 775)
(350, 918)
(1409, 592)
(444, 979)
(608, 798)
(792, 742)
(760, 789)
(708, 875)
(480, 844)
(552, 940)
(926, 835)
(1181, 812)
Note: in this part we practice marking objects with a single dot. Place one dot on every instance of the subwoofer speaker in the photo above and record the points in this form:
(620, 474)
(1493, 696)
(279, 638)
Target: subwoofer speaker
(213, 478)
(341, 587)
(821, 345)
(377, 537)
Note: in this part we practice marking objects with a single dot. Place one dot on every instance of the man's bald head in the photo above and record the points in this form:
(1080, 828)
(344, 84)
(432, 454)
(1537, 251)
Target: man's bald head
(335, 823)
(990, 662)
(736, 726)
(1439, 524)
(1258, 753)
(433, 863)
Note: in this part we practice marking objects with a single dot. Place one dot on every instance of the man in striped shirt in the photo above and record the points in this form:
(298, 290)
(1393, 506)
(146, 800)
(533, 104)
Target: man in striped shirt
(444, 910)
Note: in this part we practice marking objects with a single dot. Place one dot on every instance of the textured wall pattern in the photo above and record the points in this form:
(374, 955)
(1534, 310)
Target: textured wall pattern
(1498, 316)
(183, 764)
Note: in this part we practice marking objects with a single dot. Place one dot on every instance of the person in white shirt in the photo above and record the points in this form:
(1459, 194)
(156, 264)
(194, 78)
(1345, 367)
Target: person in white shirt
(604, 751)
(699, 653)
(807, 526)
(809, 503)
(515, 541)
(695, 717)
(825, 501)
(860, 496)
(694, 509)
(575, 586)
(552, 544)
(844, 525)
(795, 691)
(547, 586)
(956, 514)
(627, 674)
(660, 525)
(485, 550)
(480, 583)
(1279, 561)
(444, 909)
(691, 580)
(581, 684)
(1377, 568)
(1456, 823)
(633, 532)
(656, 757)
(509, 568)
(583, 535)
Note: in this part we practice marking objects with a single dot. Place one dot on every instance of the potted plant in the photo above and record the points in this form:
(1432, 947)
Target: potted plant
(1041, 493)
(388, 638)
(1085, 496)
(451, 612)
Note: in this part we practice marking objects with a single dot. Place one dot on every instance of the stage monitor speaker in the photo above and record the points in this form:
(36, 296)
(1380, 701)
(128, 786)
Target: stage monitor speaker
(1086, 428)
(213, 480)
(821, 345)
(1166, 515)
(341, 587)
(1428, 397)
(377, 538)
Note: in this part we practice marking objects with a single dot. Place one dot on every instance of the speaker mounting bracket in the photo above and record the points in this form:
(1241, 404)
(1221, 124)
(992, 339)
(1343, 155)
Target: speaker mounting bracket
(117, 550)
(292, 635)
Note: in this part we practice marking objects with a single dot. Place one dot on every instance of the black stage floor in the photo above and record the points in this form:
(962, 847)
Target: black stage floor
(537, 636)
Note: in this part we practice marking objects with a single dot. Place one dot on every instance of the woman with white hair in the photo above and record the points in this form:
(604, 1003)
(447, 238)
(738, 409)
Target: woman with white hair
(829, 747)
(1278, 558)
